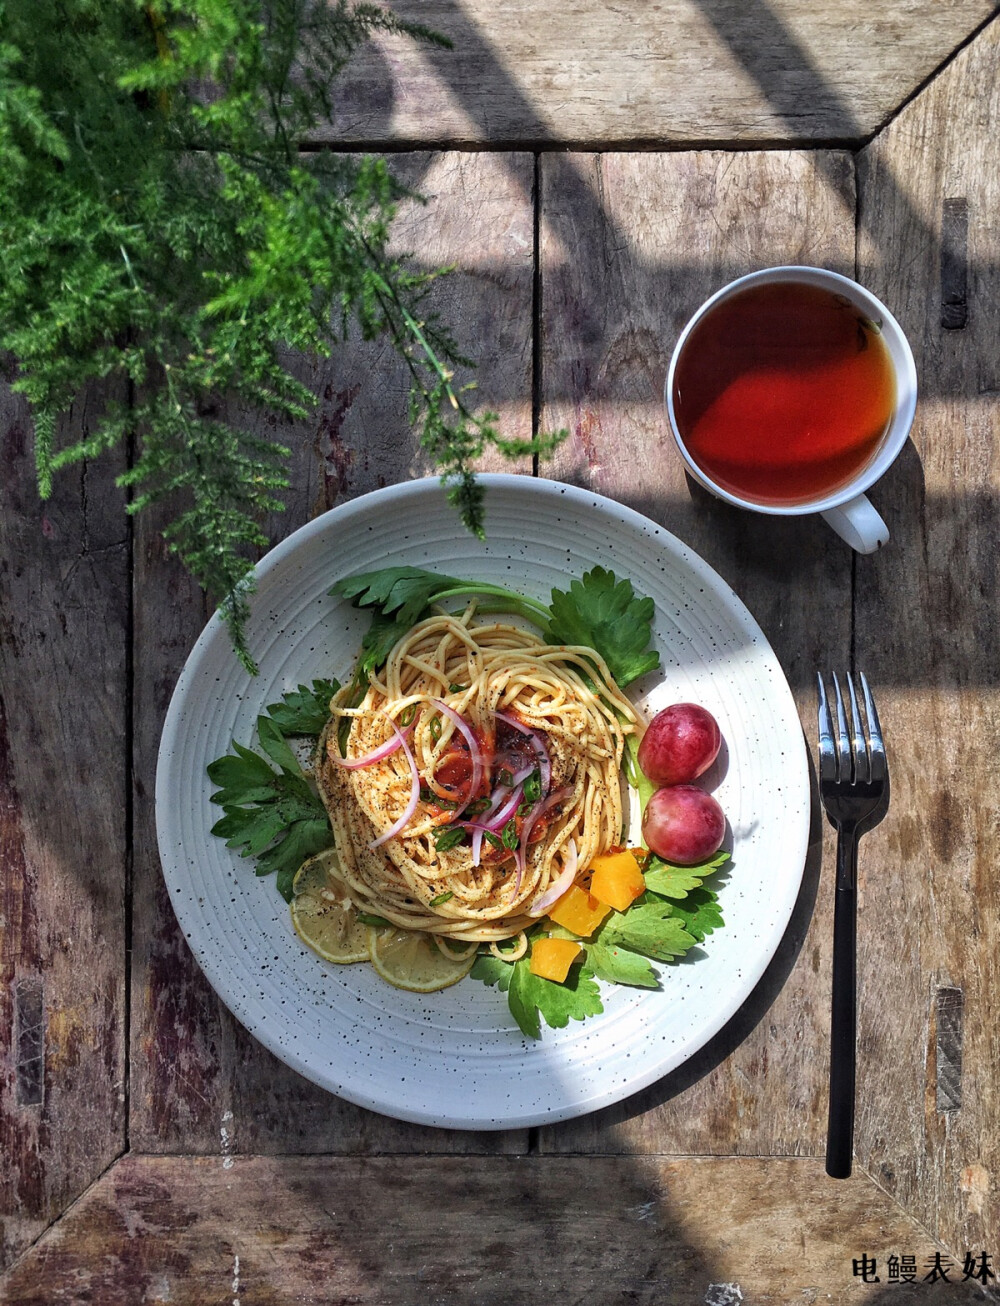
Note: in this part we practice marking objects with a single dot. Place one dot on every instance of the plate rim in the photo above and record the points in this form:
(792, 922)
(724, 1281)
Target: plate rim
(289, 1055)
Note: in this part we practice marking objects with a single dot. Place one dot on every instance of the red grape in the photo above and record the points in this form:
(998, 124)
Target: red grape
(680, 743)
(683, 824)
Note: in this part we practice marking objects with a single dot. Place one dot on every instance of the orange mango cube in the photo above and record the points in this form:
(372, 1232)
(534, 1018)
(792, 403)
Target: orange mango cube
(552, 958)
(578, 911)
(617, 879)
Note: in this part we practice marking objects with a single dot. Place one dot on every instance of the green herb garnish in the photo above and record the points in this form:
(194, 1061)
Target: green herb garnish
(405, 594)
(304, 711)
(598, 611)
(274, 817)
(441, 898)
(532, 788)
(167, 239)
(369, 918)
(449, 837)
(654, 927)
(427, 795)
(532, 999)
(677, 881)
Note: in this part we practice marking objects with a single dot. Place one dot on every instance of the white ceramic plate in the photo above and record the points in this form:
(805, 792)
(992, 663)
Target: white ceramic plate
(456, 1058)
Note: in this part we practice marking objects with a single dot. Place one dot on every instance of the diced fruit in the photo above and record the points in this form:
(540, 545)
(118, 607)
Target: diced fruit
(411, 960)
(617, 880)
(680, 744)
(683, 825)
(323, 914)
(579, 912)
(552, 958)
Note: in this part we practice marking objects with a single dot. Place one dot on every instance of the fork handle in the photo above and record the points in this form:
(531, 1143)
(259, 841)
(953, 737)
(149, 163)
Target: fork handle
(843, 1023)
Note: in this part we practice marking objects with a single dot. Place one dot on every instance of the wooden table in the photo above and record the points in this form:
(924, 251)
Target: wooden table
(150, 1150)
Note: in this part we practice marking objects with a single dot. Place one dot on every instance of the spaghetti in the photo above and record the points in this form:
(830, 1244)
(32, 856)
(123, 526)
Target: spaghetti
(481, 774)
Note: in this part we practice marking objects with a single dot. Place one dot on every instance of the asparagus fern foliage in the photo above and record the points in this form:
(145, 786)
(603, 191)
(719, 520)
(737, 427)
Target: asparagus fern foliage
(164, 235)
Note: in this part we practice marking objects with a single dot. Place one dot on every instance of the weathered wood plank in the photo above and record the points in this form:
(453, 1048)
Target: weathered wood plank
(481, 1230)
(592, 75)
(622, 239)
(200, 1082)
(927, 625)
(63, 816)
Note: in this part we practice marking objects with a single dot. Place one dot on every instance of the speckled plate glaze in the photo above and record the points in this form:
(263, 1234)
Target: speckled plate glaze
(456, 1058)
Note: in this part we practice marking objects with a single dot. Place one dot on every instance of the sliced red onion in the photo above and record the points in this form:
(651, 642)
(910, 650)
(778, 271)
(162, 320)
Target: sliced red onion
(479, 828)
(555, 891)
(369, 759)
(528, 826)
(497, 823)
(411, 806)
(474, 752)
(541, 752)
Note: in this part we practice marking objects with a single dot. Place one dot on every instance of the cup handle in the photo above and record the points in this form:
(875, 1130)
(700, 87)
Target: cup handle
(859, 524)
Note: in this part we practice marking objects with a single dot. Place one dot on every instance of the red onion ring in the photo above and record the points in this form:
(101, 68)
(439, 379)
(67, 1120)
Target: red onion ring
(479, 828)
(541, 752)
(474, 752)
(496, 823)
(411, 806)
(556, 890)
(528, 826)
(377, 755)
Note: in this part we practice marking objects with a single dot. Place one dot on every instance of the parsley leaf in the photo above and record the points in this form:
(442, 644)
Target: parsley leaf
(304, 711)
(598, 611)
(272, 816)
(530, 997)
(605, 614)
(273, 743)
(406, 591)
(649, 928)
(699, 912)
(677, 881)
(491, 970)
(619, 965)
(402, 595)
(378, 641)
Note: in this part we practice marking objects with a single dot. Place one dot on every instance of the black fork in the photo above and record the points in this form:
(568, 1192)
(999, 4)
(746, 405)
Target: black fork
(854, 787)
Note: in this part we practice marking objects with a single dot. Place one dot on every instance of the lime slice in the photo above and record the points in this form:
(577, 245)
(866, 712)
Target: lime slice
(410, 960)
(323, 914)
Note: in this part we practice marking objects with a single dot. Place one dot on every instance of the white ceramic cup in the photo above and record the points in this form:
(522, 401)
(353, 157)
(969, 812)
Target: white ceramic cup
(847, 509)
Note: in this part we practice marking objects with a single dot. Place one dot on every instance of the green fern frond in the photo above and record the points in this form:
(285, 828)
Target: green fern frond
(164, 236)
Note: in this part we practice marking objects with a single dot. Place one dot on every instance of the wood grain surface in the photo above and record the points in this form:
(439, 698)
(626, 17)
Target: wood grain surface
(63, 828)
(927, 626)
(595, 75)
(707, 1188)
(484, 1231)
(621, 274)
(199, 1081)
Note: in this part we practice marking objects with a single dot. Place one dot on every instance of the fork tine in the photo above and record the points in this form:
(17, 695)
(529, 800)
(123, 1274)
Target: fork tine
(845, 769)
(859, 750)
(827, 755)
(880, 767)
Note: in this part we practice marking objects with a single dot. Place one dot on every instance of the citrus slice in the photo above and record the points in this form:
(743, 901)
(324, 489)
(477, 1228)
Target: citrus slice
(323, 914)
(411, 960)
